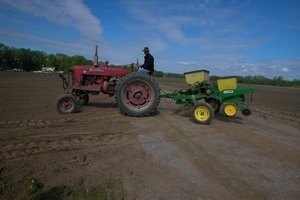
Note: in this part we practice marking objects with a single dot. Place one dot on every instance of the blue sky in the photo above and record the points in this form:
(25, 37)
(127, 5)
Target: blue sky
(226, 37)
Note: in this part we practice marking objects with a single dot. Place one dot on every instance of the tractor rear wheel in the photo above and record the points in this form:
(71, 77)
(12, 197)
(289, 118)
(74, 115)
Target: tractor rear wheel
(137, 94)
(202, 113)
(66, 103)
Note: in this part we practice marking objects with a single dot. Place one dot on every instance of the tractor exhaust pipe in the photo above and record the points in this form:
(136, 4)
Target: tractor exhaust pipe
(96, 56)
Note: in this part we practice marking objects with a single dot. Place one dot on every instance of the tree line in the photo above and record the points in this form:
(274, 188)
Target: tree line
(33, 60)
(258, 80)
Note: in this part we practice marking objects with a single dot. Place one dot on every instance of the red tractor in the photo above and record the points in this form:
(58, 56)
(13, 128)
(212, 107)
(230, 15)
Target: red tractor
(136, 94)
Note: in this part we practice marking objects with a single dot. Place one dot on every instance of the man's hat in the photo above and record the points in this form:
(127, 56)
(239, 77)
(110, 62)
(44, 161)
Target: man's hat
(146, 49)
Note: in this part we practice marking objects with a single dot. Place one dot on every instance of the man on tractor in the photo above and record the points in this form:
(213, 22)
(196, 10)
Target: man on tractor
(148, 66)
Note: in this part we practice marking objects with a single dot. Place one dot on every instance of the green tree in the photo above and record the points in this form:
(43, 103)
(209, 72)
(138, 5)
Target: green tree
(52, 62)
(278, 80)
(80, 60)
(63, 62)
(158, 73)
(24, 59)
(7, 57)
(39, 60)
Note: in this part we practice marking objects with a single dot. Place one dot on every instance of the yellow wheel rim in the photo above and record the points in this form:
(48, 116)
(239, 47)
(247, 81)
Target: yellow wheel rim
(230, 110)
(202, 113)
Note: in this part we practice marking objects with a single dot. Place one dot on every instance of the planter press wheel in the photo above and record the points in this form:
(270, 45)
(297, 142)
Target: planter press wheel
(202, 113)
(246, 111)
(229, 109)
(137, 94)
(66, 103)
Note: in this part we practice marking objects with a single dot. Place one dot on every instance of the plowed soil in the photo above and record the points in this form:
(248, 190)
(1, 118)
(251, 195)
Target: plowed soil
(164, 156)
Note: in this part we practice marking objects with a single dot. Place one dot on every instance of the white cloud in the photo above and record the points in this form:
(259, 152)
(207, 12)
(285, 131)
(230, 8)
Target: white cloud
(171, 21)
(187, 63)
(183, 63)
(72, 13)
(284, 69)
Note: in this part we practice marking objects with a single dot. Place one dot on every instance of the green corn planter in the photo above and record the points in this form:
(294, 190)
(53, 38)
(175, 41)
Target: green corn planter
(203, 99)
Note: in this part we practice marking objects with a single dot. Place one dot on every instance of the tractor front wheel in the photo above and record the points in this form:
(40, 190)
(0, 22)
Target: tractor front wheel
(202, 113)
(66, 103)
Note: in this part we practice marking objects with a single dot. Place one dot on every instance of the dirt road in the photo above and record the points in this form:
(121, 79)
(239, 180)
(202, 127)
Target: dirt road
(165, 156)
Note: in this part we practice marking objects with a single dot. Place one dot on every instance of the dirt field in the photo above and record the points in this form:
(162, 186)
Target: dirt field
(98, 153)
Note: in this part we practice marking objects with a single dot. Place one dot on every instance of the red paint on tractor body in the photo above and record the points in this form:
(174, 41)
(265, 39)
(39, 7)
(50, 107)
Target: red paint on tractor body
(96, 79)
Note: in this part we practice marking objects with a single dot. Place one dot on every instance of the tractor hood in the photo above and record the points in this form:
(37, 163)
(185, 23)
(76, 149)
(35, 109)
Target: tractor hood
(101, 70)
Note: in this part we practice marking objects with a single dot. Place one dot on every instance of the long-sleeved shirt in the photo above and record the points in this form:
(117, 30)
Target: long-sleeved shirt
(149, 62)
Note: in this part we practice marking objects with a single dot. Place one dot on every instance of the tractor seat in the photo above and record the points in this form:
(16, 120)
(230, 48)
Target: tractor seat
(150, 73)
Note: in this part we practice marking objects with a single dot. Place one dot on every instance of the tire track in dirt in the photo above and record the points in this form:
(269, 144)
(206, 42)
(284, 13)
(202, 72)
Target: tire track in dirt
(40, 123)
(25, 147)
(21, 148)
(287, 117)
(264, 153)
(58, 138)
